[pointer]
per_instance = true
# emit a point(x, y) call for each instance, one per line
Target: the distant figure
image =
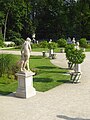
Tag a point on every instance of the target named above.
point(69, 40)
point(25, 55)
point(37, 41)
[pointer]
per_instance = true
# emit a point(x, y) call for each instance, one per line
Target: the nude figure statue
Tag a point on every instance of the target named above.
point(25, 55)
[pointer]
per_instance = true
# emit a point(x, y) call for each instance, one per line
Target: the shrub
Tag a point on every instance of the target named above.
point(43, 44)
point(18, 41)
point(15, 37)
point(34, 45)
point(88, 46)
point(1, 40)
point(6, 64)
point(73, 55)
point(52, 45)
point(83, 42)
point(62, 42)
point(69, 47)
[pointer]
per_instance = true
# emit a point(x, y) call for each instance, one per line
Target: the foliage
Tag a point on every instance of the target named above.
point(47, 76)
point(69, 47)
point(47, 19)
point(7, 62)
point(52, 45)
point(83, 42)
point(62, 42)
point(15, 37)
point(43, 44)
point(74, 56)
point(18, 41)
point(1, 41)
point(34, 45)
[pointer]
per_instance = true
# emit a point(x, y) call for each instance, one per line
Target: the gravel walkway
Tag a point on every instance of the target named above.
point(65, 102)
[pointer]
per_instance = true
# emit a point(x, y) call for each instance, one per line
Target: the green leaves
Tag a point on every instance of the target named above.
point(73, 55)
point(52, 45)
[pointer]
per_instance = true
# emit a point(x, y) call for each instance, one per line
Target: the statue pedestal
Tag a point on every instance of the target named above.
point(25, 85)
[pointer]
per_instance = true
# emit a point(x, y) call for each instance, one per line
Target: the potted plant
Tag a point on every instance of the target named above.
point(68, 50)
point(76, 57)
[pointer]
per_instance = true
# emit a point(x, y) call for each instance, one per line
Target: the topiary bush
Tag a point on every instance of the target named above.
point(43, 44)
point(74, 56)
point(52, 45)
point(68, 49)
point(34, 45)
point(62, 42)
point(83, 42)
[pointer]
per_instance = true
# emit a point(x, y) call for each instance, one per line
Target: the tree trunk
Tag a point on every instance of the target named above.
point(5, 25)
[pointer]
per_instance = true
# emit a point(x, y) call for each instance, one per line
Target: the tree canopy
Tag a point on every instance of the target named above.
point(48, 19)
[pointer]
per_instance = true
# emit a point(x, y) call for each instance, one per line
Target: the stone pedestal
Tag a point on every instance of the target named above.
point(25, 85)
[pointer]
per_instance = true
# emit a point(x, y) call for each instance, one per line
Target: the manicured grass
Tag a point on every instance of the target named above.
point(7, 85)
point(47, 76)
point(87, 50)
point(45, 49)
point(35, 49)
point(57, 50)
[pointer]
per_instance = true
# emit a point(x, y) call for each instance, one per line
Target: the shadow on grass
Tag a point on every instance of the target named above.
point(43, 80)
point(4, 92)
point(46, 67)
point(63, 68)
point(70, 118)
point(64, 81)
point(36, 57)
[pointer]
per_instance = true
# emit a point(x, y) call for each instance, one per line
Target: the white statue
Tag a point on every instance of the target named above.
point(77, 46)
point(25, 55)
point(73, 41)
point(50, 40)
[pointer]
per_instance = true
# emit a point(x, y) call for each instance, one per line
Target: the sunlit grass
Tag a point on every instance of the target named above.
point(47, 76)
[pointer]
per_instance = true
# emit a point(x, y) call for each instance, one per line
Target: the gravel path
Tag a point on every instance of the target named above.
point(65, 102)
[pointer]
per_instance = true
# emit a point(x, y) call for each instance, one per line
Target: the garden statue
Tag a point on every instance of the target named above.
point(25, 55)
point(50, 40)
point(25, 76)
point(73, 41)
point(37, 41)
point(69, 40)
point(77, 46)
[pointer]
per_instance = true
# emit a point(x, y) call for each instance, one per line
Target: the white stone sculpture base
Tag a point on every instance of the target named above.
point(25, 85)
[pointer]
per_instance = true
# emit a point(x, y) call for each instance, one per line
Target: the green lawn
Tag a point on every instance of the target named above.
point(47, 76)
point(34, 49)
point(43, 49)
